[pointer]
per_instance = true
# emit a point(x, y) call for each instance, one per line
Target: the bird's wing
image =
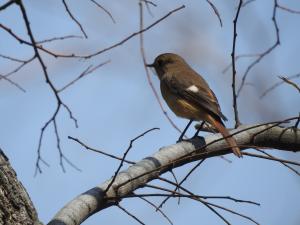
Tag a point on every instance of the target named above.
point(194, 90)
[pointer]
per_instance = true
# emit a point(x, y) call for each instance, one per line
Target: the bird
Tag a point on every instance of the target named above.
point(189, 96)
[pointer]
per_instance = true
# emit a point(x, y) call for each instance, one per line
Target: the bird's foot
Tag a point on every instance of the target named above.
point(182, 139)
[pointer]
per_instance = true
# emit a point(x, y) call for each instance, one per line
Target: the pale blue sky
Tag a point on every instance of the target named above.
point(115, 104)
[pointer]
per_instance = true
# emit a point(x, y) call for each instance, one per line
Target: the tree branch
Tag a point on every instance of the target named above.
point(167, 158)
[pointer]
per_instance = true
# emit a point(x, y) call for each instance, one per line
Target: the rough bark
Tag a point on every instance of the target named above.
point(16, 207)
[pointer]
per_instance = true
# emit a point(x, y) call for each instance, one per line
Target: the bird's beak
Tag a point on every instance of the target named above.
point(150, 65)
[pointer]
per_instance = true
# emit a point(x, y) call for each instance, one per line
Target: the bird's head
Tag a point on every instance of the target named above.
point(166, 62)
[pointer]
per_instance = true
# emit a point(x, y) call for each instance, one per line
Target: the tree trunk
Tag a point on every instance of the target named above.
point(16, 207)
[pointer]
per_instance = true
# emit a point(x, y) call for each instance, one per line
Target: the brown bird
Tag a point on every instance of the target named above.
point(189, 96)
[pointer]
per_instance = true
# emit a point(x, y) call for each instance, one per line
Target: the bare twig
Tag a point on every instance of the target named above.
point(105, 10)
point(237, 57)
point(215, 11)
point(195, 197)
point(283, 163)
point(130, 214)
point(60, 103)
point(247, 2)
point(73, 18)
point(12, 83)
point(7, 4)
point(286, 80)
point(148, 74)
point(277, 84)
point(284, 8)
point(234, 212)
point(58, 39)
point(190, 195)
point(124, 156)
point(90, 69)
point(297, 123)
point(266, 52)
point(234, 95)
point(62, 157)
point(158, 210)
point(56, 55)
point(199, 196)
point(130, 36)
point(12, 58)
point(99, 151)
point(148, 4)
point(271, 158)
point(178, 194)
point(58, 146)
point(20, 66)
point(211, 205)
point(182, 181)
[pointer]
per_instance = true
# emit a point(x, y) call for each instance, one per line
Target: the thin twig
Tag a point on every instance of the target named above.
point(182, 181)
point(266, 52)
point(72, 55)
point(284, 8)
point(58, 39)
point(148, 4)
point(277, 84)
point(178, 195)
point(12, 83)
point(234, 212)
point(237, 57)
point(130, 36)
point(297, 123)
point(99, 151)
point(7, 4)
point(215, 11)
point(284, 164)
point(60, 103)
point(158, 210)
point(73, 18)
point(286, 80)
point(247, 2)
point(90, 69)
point(147, 71)
point(12, 58)
point(234, 95)
point(271, 158)
point(200, 196)
point(62, 157)
point(124, 156)
point(173, 194)
point(105, 10)
point(20, 66)
point(175, 179)
point(209, 205)
point(130, 214)
point(37, 55)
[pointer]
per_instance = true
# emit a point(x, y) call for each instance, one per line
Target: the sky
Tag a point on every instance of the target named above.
point(115, 103)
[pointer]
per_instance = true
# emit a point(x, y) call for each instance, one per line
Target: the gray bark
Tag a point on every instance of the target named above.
point(16, 207)
point(92, 201)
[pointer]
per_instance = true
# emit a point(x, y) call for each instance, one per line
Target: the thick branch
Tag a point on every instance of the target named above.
point(92, 201)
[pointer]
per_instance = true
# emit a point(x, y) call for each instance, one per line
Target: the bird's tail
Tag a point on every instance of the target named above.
point(230, 140)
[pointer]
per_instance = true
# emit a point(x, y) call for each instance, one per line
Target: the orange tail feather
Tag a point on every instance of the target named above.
point(230, 140)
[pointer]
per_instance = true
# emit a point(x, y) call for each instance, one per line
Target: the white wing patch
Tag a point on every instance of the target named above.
point(192, 88)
